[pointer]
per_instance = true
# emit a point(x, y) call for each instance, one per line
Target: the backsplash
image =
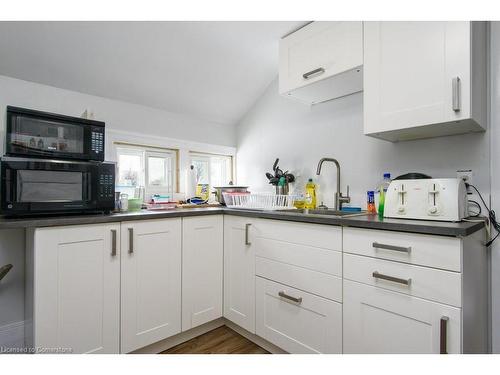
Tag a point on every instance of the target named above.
point(300, 135)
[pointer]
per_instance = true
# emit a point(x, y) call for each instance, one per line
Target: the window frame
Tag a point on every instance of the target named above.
point(208, 156)
point(148, 151)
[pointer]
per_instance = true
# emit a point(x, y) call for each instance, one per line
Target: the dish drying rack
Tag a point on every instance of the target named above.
point(260, 201)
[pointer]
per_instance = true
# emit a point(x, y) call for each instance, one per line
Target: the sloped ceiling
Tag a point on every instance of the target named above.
point(210, 70)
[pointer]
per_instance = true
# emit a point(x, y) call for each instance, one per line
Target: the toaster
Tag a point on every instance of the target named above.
point(442, 199)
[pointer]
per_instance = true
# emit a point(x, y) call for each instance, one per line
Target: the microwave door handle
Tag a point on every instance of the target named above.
point(19, 186)
point(89, 187)
point(9, 185)
point(86, 187)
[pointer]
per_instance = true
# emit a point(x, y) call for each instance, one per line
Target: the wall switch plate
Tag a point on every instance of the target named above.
point(465, 174)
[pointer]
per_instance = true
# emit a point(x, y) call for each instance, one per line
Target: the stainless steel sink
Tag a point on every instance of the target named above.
point(328, 212)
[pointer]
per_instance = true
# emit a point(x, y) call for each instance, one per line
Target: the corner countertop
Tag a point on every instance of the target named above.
point(461, 229)
point(440, 228)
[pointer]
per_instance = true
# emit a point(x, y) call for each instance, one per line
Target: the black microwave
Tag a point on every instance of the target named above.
point(38, 186)
point(47, 135)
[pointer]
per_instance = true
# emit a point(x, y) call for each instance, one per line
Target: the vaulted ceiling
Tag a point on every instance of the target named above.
point(211, 70)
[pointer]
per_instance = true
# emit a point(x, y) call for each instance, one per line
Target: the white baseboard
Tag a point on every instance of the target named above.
point(12, 336)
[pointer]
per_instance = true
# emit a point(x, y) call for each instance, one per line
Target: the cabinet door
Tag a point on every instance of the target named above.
point(239, 272)
point(410, 71)
point(384, 322)
point(296, 321)
point(318, 51)
point(151, 282)
point(202, 270)
point(76, 288)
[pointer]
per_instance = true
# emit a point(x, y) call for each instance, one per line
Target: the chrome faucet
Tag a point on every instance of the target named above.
point(339, 198)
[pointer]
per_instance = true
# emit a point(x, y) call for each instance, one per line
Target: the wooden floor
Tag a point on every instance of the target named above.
point(222, 340)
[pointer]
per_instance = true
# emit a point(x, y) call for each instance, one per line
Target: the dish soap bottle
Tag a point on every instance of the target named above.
point(310, 201)
point(382, 191)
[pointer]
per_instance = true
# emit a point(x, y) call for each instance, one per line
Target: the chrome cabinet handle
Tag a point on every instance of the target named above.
point(113, 242)
point(403, 249)
point(290, 298)
point(398, 280)
point(456, 100)
point(314, 72)
point(130, 240)
point(443, 333)
point(247, 241)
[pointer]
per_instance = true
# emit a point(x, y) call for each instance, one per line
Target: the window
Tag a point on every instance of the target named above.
point(143, 169)
point(215, 170)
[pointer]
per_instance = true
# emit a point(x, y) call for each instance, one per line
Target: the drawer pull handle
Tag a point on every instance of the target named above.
point(247, 241)
point(443, 330)
point(113, 242)
point(293, 299)
point(402, 249)
point(314, 72)
point(398, 280)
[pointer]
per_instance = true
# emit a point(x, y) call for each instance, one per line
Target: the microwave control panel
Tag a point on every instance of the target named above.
point(106, 188)
point(97, 140)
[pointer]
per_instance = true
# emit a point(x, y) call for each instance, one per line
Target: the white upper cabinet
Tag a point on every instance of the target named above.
point(424, 79)
point(322, 61)
point(202, 269)
point(150, 282)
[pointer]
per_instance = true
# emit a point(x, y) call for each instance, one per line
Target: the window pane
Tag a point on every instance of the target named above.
point(158, 171)
point(130, 169)
point(201, 167)
point(217, 172)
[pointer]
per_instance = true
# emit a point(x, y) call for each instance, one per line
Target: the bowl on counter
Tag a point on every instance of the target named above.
point(134, 204)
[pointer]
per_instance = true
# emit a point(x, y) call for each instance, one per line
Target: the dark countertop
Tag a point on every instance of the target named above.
point(461, 229)
point(53, 221)
point(440, 228)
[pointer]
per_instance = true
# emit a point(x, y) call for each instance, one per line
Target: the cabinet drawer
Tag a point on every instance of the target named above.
point(378, 321)
point(429, 283)
point(433, 251)
point(310, 324)
point(313, 235)
point(319, 283)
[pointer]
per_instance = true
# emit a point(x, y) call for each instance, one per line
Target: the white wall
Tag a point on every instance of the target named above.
point(300, 135)
point(12, 287)
point(125, 122)
point(495, 176)
point(118, 115)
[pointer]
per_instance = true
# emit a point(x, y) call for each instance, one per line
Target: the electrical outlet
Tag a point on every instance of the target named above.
point(465, 174)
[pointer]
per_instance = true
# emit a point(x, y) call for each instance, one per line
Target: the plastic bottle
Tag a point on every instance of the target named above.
point(382, 190)
point(370, 203)
point(310, 201)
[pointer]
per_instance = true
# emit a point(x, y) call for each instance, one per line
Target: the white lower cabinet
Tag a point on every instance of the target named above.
point(202, 270)
point(296, 321)
point(306, 288)
point(73, 289)
point(150, 282)
point(239, 271)
point(382, 321)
